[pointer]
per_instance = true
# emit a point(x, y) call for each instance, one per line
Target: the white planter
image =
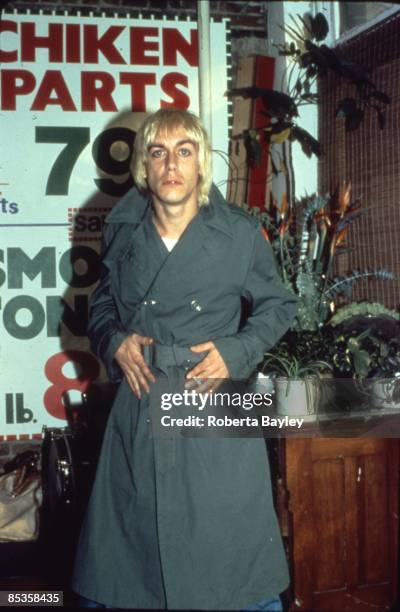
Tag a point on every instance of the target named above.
point(262, 383)
point(297, 397)
point(382, 394)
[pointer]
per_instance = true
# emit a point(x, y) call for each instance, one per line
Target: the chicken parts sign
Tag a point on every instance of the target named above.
point(97, 47)
point(73, 92)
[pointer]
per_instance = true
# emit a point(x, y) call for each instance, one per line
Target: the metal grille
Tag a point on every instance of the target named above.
point(369, 158)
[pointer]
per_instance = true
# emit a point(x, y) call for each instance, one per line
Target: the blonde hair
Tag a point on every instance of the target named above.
point(169, 120)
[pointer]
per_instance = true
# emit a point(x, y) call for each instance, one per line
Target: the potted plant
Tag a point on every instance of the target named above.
point(297, 377)
point(311, 59)
point(385, 392)
point(368, 347)
point(308, 235)
point(306, 239)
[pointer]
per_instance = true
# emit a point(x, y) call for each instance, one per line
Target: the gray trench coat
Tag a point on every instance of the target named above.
point(182, 523)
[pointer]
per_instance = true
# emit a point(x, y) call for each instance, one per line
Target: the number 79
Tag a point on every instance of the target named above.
point(76, 139)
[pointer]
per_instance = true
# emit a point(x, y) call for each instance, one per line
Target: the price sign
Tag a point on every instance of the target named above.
point(73, 92)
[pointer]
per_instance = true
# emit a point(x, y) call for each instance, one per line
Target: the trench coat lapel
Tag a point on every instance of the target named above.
point(153, 264)
point(198, 243)
point(145, 259)
point(191, 245)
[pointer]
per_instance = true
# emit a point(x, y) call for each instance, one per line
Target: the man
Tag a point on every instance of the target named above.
point(181, 523)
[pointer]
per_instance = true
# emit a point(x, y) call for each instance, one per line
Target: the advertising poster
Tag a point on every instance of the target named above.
point(73, 91)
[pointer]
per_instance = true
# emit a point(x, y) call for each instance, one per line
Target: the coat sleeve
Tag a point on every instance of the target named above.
point(273, 308)
point(105, 330)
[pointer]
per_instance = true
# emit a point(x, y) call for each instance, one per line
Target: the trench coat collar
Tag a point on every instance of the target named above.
point(132, 208)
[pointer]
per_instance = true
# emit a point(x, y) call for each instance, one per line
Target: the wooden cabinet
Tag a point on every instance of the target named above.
point(341, 522)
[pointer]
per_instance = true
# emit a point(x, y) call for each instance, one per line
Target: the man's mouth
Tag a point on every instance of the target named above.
point(172, 182)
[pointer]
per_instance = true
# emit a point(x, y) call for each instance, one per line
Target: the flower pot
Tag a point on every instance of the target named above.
point(262, 383)
point(382, 393)
point(297, 397)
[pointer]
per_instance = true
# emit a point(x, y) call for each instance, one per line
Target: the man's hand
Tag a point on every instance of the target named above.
point(130, 359)
point(211, 367)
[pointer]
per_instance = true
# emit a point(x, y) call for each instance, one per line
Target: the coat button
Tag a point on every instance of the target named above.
point(194, 304)
point(187, 364)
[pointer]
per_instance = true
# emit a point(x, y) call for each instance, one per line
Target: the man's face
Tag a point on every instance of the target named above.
point(172, 167)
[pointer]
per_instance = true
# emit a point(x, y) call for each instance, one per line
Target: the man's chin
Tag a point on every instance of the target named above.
point(173, 198)
point(176, 201)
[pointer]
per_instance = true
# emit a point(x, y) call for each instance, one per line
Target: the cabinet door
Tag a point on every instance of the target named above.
point(343, 497)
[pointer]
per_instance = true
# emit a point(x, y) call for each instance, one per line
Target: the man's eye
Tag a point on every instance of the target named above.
point(184, 152)
point(157, 153)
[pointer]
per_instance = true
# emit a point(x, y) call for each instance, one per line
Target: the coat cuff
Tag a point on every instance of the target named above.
point(235, 355)
point(114, 372)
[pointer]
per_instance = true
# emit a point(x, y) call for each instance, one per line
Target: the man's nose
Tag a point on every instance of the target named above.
point(171, 160)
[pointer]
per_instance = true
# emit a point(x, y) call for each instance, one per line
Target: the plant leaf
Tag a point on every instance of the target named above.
point(307, 142)
point(245, 92)
point(361, 309)
point(344, 284)
point(306, 60)
point(362, 362)
point(253, 148)
point(347, 106)
point(311, 97)
point(320, 27)
point(306, 20)
point(353, 120)
point(354, 72)
point(276, 102)
point(332, 58)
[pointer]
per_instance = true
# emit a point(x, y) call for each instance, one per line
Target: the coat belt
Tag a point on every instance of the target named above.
point(162, 356)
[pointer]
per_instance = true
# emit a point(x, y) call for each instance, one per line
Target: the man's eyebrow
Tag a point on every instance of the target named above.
point(161, 145)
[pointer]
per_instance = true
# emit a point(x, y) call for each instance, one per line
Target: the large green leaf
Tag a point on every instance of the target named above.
point(307, 142)
point(320, 27)
point(353, 120)
point(347, 106)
